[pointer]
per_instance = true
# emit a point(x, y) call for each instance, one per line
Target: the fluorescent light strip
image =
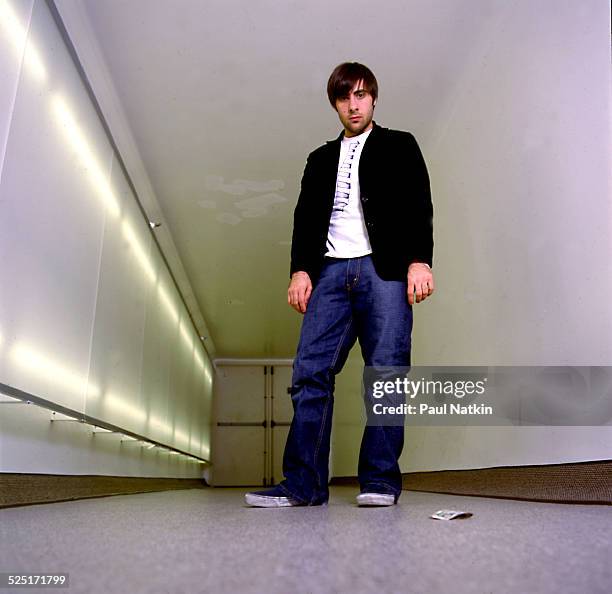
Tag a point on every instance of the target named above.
point(208, 374)
point(199, 360)
point(200, 363)
point(24, 355)
point(77, 140)
point(165, 298)
point(186, 335)
point(17, 36)
point(139, 252)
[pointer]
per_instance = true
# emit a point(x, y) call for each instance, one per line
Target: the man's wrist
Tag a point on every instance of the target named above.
point(423, 263)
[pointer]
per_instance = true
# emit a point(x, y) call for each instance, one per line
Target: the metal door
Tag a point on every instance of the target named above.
point(240, 431)
point(253, 412)
point(280, 418)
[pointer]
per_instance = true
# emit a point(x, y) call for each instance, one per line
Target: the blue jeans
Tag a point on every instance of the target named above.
point(349, 302)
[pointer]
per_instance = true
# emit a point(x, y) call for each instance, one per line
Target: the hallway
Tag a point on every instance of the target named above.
point(162, 211)
point(209, 541)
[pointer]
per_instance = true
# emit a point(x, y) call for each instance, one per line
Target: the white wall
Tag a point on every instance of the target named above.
point(89, 317)
point(519, 160)
point(520, 167)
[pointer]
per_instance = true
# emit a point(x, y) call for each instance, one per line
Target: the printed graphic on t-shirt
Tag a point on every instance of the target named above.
point(347, 236)
point(343, 181)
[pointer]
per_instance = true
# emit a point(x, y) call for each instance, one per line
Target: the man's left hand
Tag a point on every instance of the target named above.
point(420, 282)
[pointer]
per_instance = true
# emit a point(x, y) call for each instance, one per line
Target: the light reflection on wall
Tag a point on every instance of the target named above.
point(79, 143)
point(39, 364)
point(124, 407)
point(160, 424)
point(27, 356)
point(181, 436)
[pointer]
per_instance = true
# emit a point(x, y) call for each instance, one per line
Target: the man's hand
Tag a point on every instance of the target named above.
point(299, 291)
point(420, 281)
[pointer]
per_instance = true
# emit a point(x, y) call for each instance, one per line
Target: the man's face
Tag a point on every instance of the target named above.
point(356, 110)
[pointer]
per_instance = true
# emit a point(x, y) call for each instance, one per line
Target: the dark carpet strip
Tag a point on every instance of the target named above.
point(582, 482)
point(27, 489)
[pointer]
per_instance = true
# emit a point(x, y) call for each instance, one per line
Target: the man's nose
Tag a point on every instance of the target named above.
point(352, 103)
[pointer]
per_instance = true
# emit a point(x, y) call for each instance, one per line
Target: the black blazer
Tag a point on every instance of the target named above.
point(395, 197)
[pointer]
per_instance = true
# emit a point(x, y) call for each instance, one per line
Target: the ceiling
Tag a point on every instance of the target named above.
point(225, 99)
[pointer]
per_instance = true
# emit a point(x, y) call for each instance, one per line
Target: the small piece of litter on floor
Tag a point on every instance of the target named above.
point(450, 514)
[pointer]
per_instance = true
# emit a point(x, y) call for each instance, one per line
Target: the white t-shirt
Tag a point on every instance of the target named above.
point(347, 236)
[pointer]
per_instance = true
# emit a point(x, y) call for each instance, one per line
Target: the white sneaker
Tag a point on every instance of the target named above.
point(270, 498)
point(375, 499)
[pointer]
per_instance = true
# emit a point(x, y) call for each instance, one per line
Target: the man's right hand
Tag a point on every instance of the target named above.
point(298, 293)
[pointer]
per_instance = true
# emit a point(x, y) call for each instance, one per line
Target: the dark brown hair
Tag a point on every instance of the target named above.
point(345, 76)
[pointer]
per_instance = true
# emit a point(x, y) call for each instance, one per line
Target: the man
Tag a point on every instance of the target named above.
point(360, 257)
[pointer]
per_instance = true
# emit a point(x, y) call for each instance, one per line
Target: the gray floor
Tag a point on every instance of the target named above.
point(208, 541)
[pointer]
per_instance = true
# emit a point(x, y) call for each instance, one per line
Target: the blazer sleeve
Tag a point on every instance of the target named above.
point(422, 229)
point(301, 258)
